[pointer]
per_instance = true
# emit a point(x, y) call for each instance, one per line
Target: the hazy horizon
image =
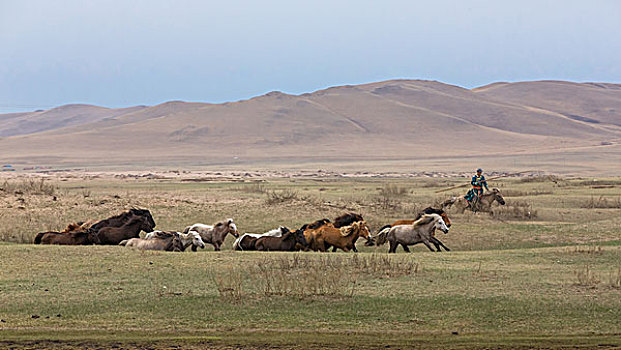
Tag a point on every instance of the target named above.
point(118, 54)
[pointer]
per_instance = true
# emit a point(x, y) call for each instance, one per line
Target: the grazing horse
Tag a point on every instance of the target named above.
point(131, 229)
point(191, 238)
point(343, 238)
point(75, 237)
point(214, 234)
point(420, 231)
point(124, 217)
point(286, 242)
point(483, 204)
point(247, 240)
point(434, 240)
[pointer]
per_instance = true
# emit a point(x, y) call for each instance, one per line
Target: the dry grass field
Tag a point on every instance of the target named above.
point(543, 271)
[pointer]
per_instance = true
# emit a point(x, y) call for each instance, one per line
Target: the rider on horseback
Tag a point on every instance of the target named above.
point(477, 182)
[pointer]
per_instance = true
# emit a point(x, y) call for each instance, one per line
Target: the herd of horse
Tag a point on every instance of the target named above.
point(321, 235)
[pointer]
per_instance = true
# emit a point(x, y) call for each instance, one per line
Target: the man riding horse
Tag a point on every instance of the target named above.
point(477, 182)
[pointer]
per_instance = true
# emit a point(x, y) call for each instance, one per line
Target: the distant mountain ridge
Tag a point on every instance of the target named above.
point(396, 119)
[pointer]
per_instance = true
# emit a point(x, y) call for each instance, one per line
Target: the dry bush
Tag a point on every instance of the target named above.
point(513, 212)
point(586, 277)
point(541, 178)
point(518, 193)
point(29, 186)
point(393, 190)
point(602, 203)
point(282, 196)
point(589, 249)
point(614, 279)
point(255, 187)
point(229, 284)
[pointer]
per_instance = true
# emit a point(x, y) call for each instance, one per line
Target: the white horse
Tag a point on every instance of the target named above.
point(247, 240)
point(191, 238)
point(214, 234)
point(421, 231)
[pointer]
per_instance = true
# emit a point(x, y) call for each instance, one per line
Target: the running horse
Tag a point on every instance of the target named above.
point(429, 210)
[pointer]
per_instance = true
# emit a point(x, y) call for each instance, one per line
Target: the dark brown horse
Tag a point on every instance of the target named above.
point(286, 242)
point(123, 218)
point(131, 229)
point(75, 237)
point(429, 210)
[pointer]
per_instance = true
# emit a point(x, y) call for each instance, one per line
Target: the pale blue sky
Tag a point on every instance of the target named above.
point(122, 53)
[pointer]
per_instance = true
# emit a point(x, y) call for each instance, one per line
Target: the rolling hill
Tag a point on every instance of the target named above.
point(397, 124)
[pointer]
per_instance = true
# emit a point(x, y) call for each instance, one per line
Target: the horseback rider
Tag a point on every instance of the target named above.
point(477, 182)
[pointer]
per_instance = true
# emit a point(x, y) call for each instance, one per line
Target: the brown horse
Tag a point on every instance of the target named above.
point(343, 238)
point(131, 229)
point(433, 239)
point(75, 237)
point(248, 241)
point(285, 243)
point(484, 203)
point(214, 234)
point(123, 218)
point(75, 234)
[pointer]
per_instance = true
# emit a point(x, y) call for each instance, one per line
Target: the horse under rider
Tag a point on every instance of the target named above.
point(477, 182)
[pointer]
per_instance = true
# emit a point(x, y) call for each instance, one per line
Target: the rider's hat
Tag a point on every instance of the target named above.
point(479, 170)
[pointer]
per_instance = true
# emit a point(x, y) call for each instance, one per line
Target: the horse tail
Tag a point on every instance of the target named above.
point(382, 235)
point(237, 243)
point(38, 237)
point(124, 242)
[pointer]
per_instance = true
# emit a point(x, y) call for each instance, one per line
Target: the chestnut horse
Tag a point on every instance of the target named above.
point(343, 238)
point(433, 239)
point(286, 242)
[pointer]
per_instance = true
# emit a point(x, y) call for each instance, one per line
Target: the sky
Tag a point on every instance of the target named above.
point(125, 53)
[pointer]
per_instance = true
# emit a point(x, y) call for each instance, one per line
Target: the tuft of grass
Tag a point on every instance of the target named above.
point(389, 190)
point(585, 277)
point(29, 186)
point(602, 203)
point(282, 196)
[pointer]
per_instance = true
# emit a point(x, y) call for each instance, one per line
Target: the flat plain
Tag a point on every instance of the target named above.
point(544, 271)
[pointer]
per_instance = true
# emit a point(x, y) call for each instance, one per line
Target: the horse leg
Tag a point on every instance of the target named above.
point(405, 248)
point(393, 247)
point(426, 243)
point(216, 246)
point(439, 244)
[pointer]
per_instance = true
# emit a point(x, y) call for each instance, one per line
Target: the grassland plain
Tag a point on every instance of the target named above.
point(543, 272)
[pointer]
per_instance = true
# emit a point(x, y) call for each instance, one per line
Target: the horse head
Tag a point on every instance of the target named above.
point(197, 241)
point(144, 213)
point(146, 223)
point(232, 228)
point(497, 196)
point(441, 225)
point(363, 229)
point(441, 212)
point(299, 237)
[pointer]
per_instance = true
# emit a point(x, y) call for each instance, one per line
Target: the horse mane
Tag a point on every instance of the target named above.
point(425, 219)
point(317, 224)
point(121, 217)
point(277, 232)
point(347, 219)
point(429, 210)
point(347, 230)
